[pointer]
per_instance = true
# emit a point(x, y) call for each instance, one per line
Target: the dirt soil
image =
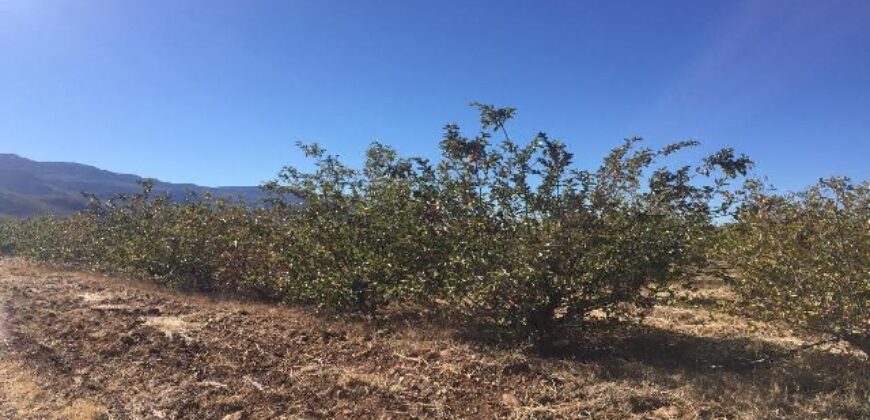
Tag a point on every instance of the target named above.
point(80, 345)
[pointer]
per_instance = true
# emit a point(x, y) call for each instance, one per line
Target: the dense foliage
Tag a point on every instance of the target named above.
point(180, 244)
point(498, 232)
point(805, 257)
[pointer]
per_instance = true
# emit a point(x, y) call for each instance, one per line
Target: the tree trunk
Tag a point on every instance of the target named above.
point(543, 323)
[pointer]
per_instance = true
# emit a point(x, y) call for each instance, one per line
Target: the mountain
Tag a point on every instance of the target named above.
point(29, 188)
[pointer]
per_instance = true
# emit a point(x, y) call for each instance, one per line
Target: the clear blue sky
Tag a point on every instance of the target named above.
point(216, 92)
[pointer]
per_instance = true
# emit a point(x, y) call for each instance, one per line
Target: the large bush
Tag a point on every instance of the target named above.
point(805, 257)
point(498, 232)
point(504, 233)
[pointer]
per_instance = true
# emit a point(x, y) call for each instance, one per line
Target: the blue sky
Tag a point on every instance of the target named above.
point(217, 92)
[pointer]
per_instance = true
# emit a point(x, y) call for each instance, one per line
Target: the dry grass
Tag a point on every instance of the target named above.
point(19, 391)
point(171, 325)
point(21, 396)
point(83, 410)
point(248, 360)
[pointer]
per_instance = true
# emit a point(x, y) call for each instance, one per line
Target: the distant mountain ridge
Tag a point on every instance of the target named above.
point(29, 188)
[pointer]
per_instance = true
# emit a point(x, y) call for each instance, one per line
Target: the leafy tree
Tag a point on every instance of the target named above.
point(805, 257)
point(504, 233)
point(534, 244)
point(500, 232)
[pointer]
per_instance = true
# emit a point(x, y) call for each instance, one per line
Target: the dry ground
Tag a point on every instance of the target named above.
point(78, 345)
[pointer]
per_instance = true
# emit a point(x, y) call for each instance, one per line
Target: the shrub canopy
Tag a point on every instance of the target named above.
point(805, 257)
point(499, 232)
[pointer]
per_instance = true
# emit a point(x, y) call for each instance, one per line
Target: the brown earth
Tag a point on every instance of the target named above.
point(78, 345)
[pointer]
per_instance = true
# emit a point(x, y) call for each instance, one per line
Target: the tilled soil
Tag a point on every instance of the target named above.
point(79, 345)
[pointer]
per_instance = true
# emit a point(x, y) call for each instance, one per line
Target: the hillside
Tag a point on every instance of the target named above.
point(29, 188)
point(126, 349)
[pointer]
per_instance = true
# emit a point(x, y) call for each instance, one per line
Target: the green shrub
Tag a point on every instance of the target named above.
point(495, 232)
point(7, 241)
point(362, 238)
point(805, 257)
point(505, 234)
point(544, 245)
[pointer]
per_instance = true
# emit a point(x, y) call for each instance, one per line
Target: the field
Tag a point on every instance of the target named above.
point(80, 345)
point(464, 210)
